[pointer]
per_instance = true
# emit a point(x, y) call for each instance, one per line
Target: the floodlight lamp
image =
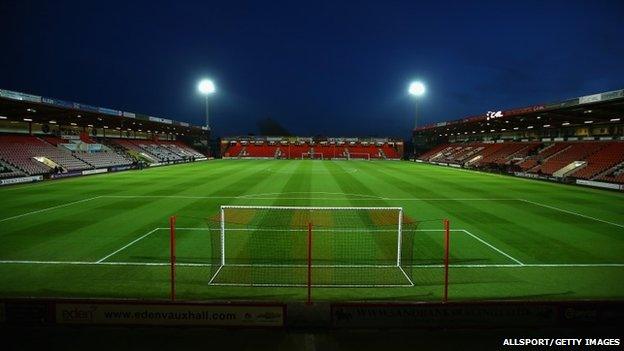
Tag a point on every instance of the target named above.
point(416, 88)
point(206, 86)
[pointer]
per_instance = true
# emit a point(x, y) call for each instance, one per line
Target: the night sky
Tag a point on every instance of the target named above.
point(333, 68)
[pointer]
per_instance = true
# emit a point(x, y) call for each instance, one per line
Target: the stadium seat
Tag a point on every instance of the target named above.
point(608, 157)
point(20, 152)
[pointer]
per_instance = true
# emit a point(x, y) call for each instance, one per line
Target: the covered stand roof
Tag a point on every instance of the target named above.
point(15, 106)
point(603, 108)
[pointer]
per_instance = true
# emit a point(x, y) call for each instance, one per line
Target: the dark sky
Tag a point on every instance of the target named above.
point(318, 67)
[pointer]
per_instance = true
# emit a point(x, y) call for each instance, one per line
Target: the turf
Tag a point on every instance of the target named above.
point(512, 238)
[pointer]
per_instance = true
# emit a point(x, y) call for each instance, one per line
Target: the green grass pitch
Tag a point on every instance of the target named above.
point(105, 236)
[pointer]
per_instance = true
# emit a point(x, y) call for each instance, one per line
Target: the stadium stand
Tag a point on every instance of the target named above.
point(20, 152)
point(161, 152)
point(614, 176)
point(7, 171)
point(180, 149)
point(54, 140)
point(600, 160)
point(390, 151)
point(505, 152)
point(261, 150)
point(575, 152)
point(233, 150)
point(610, 156)
point(542, 155)
point(129, 145)
point(300, 149)
point(297, 151)
point(157, 150)
point(103, 159)
point(22, 155)
point(429, 155)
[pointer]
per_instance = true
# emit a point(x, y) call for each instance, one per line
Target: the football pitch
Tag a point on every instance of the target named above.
point(107, 236)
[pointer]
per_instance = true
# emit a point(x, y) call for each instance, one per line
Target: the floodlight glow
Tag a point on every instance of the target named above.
point(416, 88)
point(206, 86)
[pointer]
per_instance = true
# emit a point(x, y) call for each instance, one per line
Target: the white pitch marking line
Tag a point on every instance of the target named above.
point(244, 197)
point(93, 263)
point(127, 245)
point(315, 285)
point(305, 230)
point(493, 247)
point(49, 208)
point(405, 274)
point(572, 212)
point(215, 275)
point(313, 266)
point(526, 265)
point(313, 192)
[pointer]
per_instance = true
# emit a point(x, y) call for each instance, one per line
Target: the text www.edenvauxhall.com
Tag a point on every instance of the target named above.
point(189, 315)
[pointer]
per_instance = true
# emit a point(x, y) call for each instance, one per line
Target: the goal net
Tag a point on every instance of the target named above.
point(311, 246)
point(311, 156)
point(359, 156)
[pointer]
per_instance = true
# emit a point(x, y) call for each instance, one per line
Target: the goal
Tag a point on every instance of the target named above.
point(359, 156)
point(286, 246)
point(312, 156)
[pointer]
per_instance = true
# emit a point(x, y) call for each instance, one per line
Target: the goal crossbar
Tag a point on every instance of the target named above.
point(332, 208)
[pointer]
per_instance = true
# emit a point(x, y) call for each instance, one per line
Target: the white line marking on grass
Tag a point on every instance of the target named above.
point(112, 263)
point(287, 285)
point(493, 247)
point(526, 265)
point(271, 265)
point(93, 263)
point(127, 245)
point(305, 198)
point(49, 208)
point(302, 229)
point(215, 275)
point(312, 192)
point(406, 277)
point(572, 212)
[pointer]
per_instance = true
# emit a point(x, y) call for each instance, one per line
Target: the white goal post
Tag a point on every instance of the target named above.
point(296, 246)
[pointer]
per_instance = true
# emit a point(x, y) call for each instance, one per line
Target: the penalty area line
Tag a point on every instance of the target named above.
point(49, 208)
point(571, 212)
point(493, 247)
point(127, 245)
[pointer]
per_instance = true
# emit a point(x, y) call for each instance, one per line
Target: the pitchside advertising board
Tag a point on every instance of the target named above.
point(141, 313)
point(478, 314)
point(20, 180)
point(166, 314)
point(440, 315)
